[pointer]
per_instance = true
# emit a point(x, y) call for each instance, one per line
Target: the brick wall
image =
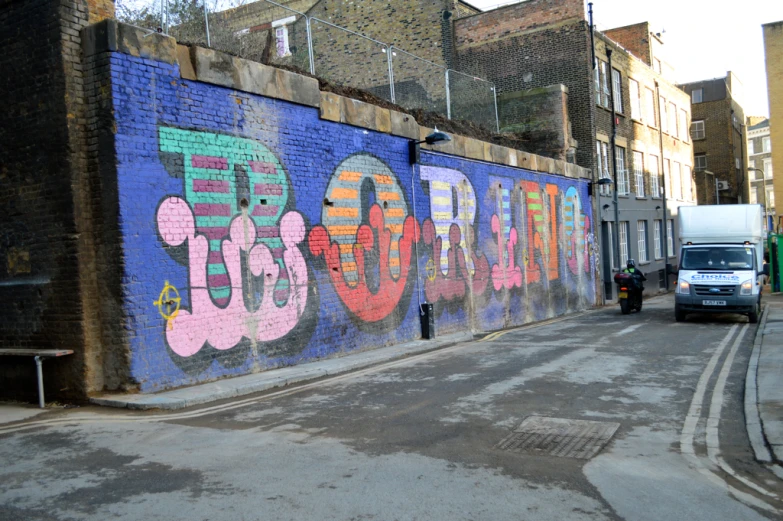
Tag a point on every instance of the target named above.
point(541, 115)
point(515, 18)
point(635, 39)
point(724, 144)
point(773, 49)
point(558, 54)
point(256, 233)
point(47, 286)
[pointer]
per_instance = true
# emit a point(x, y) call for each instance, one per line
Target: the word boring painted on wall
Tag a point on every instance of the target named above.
point(249, 247)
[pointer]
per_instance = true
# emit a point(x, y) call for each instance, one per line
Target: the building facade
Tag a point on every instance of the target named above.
point(719, 140)
point(761, 189)
point(532, 44)
point(652, 155)
point(773, 49)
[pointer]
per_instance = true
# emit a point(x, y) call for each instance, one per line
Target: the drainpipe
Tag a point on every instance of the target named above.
point(614, 162)
point(663, 186)
point(592, 30)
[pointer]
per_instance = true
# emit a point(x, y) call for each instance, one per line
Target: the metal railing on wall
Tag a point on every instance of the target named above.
point(271, 33)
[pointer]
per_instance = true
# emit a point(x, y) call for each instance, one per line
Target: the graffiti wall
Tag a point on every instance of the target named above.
point(257, 235)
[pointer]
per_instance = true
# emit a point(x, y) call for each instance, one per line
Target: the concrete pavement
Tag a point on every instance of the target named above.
point(765, 384)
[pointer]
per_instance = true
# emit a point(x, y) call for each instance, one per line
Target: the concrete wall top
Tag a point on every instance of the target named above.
point(217, 68)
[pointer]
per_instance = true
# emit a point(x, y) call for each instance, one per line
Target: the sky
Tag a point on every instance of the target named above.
point(703, 38)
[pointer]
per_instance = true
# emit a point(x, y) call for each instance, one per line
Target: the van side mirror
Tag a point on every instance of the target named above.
point(672, 270)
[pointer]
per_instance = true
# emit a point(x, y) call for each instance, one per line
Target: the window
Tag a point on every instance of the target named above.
point(623, 182)
point(604, 86)
point(697, 129)
point(636, 101)
point(670, 237)
point(649, 108)
point(765, 146)
point(753, 195)
point(767, 168)
point(750, 146)
point(617, 90)
point(673, 120)
point(657, 239)
point(597, 82)
point(281, 36)
point(657, 65)
point(638, 171)
point(655, 176)
point(667, 173)
point(683, 128)
point(610, 244)
point(770, 198)
point(641, 240)
point(696, 95)
point(623, 243)
point(602, 157)
point(664, 117)
point(676, 189)
point(687, 179)
point(700, 162)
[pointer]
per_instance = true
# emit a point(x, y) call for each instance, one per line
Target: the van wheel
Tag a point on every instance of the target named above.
point(753, 316)
point(679, 315)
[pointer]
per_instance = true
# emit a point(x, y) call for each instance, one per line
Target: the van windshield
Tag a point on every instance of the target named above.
point(717, 258)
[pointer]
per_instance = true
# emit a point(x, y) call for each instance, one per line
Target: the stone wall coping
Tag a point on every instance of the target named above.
point(218, 68)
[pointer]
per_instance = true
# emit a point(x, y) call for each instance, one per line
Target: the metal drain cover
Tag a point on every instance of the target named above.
point(560, 437)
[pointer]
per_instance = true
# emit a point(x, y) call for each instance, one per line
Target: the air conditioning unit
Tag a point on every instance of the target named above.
point(722, 185)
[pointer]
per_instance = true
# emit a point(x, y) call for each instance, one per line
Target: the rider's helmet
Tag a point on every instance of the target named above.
point(631, 264)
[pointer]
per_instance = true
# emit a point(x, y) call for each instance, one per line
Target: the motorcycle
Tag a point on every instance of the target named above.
point(629, 292)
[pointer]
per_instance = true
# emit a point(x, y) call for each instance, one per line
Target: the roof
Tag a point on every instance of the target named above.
point(762, 124)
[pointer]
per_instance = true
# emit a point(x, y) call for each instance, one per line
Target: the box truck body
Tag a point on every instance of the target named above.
point(721, 260)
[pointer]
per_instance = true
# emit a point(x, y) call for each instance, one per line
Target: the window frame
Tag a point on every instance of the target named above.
point(638, 171)
point(649, 107)
point(664, 114)
point(684, 130)
point(673, 120)
point(670, 237)
point(655, 187)
point(657, 239)
point(641, 240)
point(623, 179)
point(636, 99)
point(622, 236)
point(604, 86)
point(617, 90)
point(694, 130)
point(676, 179)
point(700, 96)
point(697, 159)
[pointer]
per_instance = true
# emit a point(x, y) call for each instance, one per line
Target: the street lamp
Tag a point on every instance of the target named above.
point(435, 137)
point(764, 188)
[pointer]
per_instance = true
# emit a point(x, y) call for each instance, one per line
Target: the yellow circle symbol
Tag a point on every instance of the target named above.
point(430, 269)
point(168, 301)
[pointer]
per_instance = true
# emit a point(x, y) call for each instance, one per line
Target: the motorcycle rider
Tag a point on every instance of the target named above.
point(638, 276)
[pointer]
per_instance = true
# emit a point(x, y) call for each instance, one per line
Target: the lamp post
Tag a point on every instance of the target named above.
point(426, 310)
point(764, 188)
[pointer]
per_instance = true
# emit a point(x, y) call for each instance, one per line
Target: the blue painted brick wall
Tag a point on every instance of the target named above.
point(256, 235)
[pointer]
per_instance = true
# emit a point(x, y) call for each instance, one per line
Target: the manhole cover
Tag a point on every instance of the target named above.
point(560, 437)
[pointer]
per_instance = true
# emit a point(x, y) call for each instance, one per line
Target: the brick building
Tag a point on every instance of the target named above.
point(773, 49)
point(719, 140)
point(532, 44)
point(760, 171)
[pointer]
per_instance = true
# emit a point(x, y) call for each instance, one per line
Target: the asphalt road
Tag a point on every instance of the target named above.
point(432, 437)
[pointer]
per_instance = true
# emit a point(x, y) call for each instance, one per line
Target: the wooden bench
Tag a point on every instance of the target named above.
point(39, 355)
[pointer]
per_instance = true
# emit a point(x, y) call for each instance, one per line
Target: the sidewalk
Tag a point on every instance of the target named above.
point(764, 383)
point(254, 383)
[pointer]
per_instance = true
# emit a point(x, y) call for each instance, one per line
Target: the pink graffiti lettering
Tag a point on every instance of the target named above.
point(224, 327)
point(505, 276)
point(454, 283)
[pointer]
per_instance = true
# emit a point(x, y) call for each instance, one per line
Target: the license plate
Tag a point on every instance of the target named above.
point(714, 302)
point(623, 294)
